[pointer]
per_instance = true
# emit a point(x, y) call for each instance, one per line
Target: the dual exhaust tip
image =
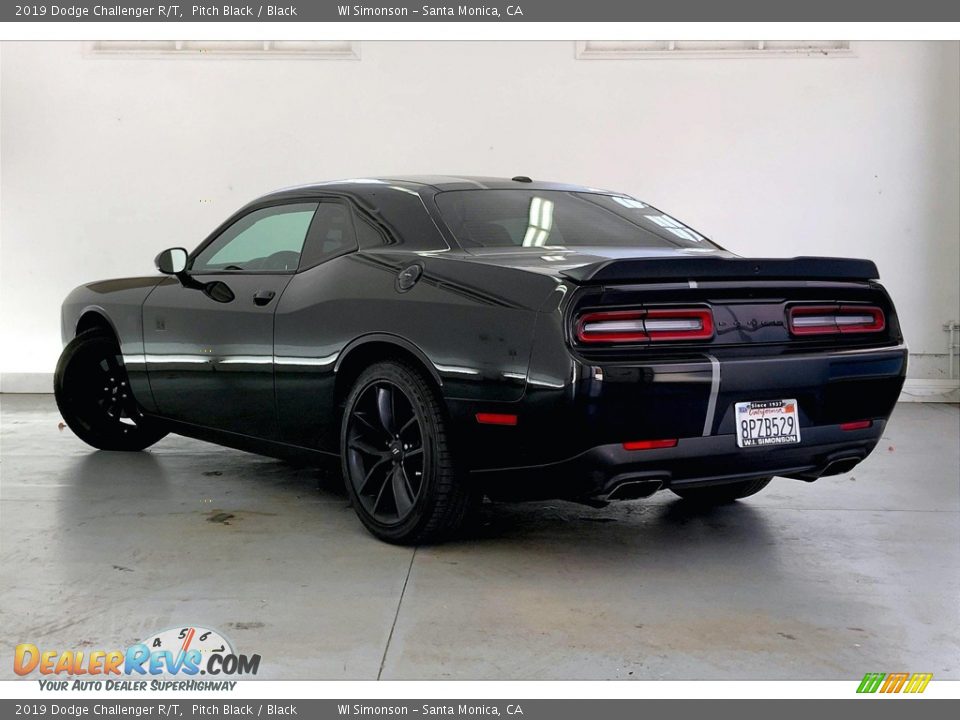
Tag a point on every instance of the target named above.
point(639, 488)
point(634, 489)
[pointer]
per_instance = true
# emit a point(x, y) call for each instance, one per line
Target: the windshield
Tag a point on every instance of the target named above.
point(560, 219)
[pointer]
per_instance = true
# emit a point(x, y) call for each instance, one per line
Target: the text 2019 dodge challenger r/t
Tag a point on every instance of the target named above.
point(448, 337)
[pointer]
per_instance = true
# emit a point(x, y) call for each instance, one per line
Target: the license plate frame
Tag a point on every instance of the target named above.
point(767, 423)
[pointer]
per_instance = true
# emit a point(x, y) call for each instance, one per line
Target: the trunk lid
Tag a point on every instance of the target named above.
point(750, 299)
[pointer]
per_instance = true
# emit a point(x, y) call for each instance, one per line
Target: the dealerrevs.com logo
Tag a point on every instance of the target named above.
point(176, 652)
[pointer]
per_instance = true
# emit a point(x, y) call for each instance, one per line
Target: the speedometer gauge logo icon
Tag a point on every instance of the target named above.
point(181, 640)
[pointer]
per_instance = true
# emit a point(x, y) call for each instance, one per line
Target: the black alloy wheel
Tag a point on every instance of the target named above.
point(385, 452)
point(397, 460)
point(93, 395)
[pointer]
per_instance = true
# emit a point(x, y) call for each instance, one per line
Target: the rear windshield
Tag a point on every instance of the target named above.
point(559, 219)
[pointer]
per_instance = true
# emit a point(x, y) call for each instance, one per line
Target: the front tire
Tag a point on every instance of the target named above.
point(93, 394)
point(722, 494)
point(398, 463)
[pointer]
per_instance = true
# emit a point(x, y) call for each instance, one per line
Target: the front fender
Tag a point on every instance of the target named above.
point(120, 305)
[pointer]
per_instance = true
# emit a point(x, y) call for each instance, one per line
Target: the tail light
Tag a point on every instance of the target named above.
point(835, 319)
point(636, 326)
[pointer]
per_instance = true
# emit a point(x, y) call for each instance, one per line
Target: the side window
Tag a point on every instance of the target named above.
point(331, 234)
point(369, 236)
point(270, 239)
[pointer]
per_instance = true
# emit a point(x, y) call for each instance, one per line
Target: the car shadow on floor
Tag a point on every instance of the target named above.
point(656, 524)
point(653, 524)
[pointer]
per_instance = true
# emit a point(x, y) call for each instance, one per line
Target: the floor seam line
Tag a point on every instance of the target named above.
point(878, 510)
point(403, 591)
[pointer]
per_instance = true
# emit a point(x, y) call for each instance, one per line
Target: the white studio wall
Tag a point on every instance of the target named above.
point(106, 159)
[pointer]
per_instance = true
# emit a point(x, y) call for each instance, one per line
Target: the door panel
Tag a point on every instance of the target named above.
point(208, 334)
point(309, 331)
point(211, 363)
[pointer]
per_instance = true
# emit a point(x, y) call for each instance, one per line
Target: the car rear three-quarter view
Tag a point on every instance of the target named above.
point(448, 338)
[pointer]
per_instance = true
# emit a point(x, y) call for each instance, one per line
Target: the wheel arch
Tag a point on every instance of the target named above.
point(377, 347)
point(94, 318)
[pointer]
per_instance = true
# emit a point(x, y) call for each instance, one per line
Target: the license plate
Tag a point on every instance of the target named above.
point(767, 422)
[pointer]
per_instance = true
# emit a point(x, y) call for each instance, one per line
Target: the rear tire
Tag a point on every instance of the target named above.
point(93, 394)
point(722, 494)
point(398, 462)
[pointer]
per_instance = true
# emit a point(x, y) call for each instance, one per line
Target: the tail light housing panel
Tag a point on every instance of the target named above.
point(642, 326)
point(835, 319)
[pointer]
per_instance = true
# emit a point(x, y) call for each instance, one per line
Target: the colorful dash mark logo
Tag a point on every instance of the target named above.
point(894, 682)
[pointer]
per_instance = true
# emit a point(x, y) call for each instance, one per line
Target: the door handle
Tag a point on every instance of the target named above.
point(263, 297)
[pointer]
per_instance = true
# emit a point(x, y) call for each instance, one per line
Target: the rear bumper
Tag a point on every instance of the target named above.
point(572, 423)
point(611, 472)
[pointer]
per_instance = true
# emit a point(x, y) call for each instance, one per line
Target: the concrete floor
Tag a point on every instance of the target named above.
point(854, 573)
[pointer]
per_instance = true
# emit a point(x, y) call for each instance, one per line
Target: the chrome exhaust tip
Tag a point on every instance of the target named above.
point(635, 489)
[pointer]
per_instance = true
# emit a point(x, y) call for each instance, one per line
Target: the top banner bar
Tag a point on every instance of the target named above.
point(72, 11)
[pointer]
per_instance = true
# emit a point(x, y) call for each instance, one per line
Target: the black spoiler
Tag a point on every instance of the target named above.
point(724, 268)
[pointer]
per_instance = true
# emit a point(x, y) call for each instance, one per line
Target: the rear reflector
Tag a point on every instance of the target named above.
point(635, 326)
point(858, 425)
point(649, 444)
point(835, 319)
point(496, 419)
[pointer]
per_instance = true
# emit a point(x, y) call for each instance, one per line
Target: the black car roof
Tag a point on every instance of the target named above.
point(463, 182)
point(388, 199)
point(417, 183)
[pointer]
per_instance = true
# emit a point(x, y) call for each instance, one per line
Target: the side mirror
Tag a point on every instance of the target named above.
point(172, 261)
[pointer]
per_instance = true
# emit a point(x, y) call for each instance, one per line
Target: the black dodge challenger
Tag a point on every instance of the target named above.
point(453, 337)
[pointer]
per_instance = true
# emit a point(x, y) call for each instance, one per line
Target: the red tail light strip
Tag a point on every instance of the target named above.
point(649, 444)
point(835, 319)
point(636, 326)
point(496, 419)
point(857, 425)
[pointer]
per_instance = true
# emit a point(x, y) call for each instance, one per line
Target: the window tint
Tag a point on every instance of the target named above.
point(558, 219)
point(368, 235)
point(402, 212)
point(267, 239)
point(331, 234)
